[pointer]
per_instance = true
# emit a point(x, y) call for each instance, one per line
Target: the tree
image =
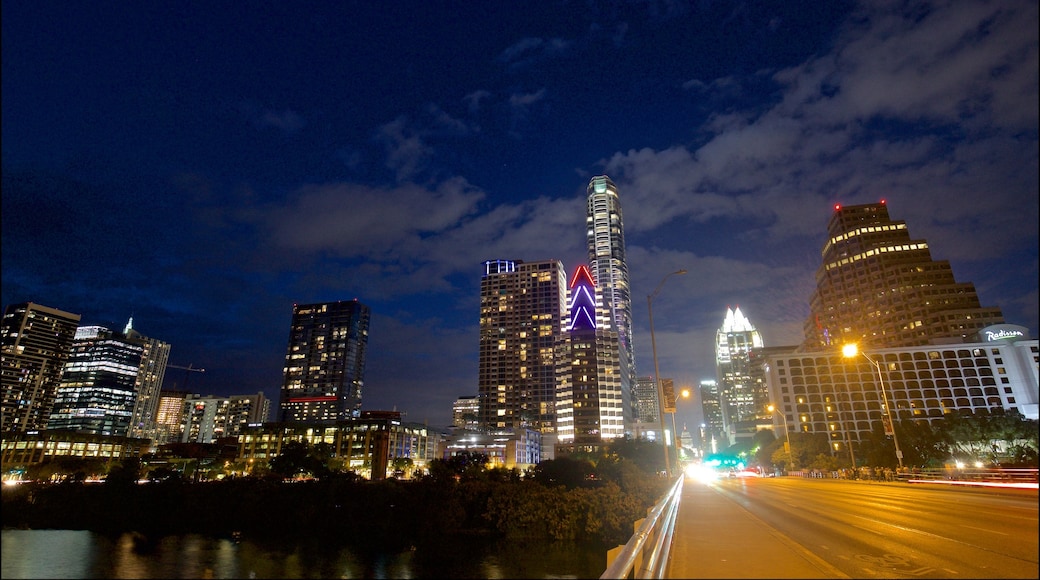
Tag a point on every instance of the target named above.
point(564, 471)
point(297, 459)
point(126, 472)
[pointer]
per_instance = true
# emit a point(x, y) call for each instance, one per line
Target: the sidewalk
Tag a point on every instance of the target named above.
point(717, 538)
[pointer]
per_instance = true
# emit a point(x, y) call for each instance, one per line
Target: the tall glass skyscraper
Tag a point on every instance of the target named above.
point(111, 383)
point(522, 310)
point(605, 235)
point(325, 362)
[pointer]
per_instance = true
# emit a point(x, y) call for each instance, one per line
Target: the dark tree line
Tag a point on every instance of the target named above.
point(588, 498)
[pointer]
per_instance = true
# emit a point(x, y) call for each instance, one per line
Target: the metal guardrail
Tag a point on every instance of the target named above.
point(646, 553)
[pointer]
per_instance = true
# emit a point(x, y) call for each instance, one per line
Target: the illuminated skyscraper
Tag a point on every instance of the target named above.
point(522, 311)
point(35, 345)
point(324, 371)
point(736, 383)
point(111, 383)
point(879, 288)
point(605, 235)
point(590, 401)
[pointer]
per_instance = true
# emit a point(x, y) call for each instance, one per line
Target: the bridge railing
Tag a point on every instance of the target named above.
point(646, 553)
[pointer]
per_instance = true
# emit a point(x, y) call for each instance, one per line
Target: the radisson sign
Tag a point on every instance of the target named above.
point(1003, 332)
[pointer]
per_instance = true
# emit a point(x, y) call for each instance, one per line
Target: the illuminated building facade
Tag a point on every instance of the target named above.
point(367, 444)
point(827, 393)
point(111, 383)
point(35, 342)
point(35, 447)
point(605, 237)
point(169, 420)
point(645, 396)
point(878, 287)
point(590, 398)
point(155, 355)
point(208, 418)
point(522, 311)
point(465, 412)
point(739, 400)
point(324, 372)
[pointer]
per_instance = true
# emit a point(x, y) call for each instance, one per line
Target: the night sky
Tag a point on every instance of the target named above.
point(202, 166)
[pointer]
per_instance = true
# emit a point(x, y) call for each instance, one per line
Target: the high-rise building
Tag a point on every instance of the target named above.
point(645, 395)
point(170, 416)
point(522, 311)
point(210, 417)
point(324, 372)
point(605, 236)
point(734, 341)
point(465, 412)
point(154, 357)
point(880, 288)
point(713, 428)
point(35, 342)
point(590, 401)
point(929, 348)
point(111, 383)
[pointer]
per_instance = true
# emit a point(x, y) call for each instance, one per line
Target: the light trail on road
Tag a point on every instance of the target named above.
point(872, 530)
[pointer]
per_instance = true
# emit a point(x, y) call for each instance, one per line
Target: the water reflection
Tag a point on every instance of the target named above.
point(83, 554)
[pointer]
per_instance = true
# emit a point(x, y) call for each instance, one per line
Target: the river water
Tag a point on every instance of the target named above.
point(84, 554)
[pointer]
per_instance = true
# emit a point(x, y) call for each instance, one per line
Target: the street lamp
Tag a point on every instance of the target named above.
point(850, 351)
point(657, 371)
point(787, 432)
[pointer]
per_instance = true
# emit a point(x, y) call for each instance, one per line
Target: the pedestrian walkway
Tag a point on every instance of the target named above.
point(717, 538)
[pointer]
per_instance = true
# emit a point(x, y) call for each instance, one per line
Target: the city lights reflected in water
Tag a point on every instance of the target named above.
point(84, 554)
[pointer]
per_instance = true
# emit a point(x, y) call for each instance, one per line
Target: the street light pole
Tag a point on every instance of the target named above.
point(657, 370)
point(787, 433)
point(851, 350)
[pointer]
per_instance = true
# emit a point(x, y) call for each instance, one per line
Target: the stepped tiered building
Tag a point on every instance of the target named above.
point(879, 287)
point(927, 348)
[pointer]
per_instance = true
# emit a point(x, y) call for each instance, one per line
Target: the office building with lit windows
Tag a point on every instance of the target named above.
point(324, 372)
point(605, 238)
point(591, 402)
point(645, 396)
point(522, 311)
point(208, 418)
point(35, 341)
point(111, 383)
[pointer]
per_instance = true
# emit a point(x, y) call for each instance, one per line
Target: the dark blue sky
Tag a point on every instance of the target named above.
point(202, 167)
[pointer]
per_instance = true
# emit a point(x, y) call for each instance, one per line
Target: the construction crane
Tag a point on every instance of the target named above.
point(187, 372)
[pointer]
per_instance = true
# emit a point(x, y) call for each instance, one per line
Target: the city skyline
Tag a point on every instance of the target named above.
point(203, 181)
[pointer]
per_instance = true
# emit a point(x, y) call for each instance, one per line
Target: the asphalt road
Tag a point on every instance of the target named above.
point(898, 530)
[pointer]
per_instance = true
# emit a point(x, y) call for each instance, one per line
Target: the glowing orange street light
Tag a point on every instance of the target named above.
point(850, 351)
